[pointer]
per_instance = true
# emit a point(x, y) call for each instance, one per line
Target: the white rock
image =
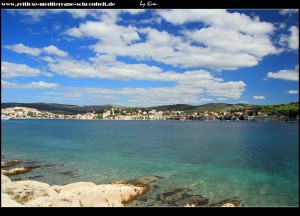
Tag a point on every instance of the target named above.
point(54, 190)
point(87, 194)
point(6, 201)
point(79, 194)
point(5, 179)
point(30, 188)
point(228, 205)
point(16, 171)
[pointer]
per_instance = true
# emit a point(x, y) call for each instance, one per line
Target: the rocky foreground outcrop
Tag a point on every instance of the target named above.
point(80, 194)
point(142, 191)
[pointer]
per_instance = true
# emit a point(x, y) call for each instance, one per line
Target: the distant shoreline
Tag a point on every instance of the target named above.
point(154, 120)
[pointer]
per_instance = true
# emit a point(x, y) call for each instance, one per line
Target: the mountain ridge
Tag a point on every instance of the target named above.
point(80, 109)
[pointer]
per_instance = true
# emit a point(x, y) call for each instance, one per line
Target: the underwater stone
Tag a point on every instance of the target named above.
point(234, 202)
point(172, 197)
point(8, 163)
point(194, 200)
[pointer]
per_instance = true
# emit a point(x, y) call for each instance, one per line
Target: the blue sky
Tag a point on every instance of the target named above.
point(150, 57)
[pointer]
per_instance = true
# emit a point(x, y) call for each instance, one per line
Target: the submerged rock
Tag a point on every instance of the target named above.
point(149, 179)
point(181, 197)
point(8, 163)
point(231, 202)
point(18, 170)
point(70, 173)
point(148, 182)
point(194, 200)
point(172, 197)
point(49, 165)
point(28, 178)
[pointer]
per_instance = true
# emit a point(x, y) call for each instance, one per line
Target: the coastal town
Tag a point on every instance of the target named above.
point(139, 114)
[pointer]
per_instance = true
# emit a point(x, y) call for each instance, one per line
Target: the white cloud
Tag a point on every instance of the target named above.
point(205, 100)
point(11, 70)
point(78, 13)
point(47, 59)
point(292, 75)
point(107, 33)
point(294, 38)
point(20, 48)
point(147, 96)
point(56, 27)
point(290, 41)
point(32, 15)
point(259, 97)
point(247, 40)
point(282, 25)
point(288, 11)
point(32, 85)
point(53, 50)
point(243, 46)
point(227, 36)
point(69, 95)
point(104, 70)
point(283, 40)
point(229, 89)
point(293, 91)
point(168, 49)
point(187, 86)
point(232, 41)
point(133, 11)
point(107, 67)
point(218, 18)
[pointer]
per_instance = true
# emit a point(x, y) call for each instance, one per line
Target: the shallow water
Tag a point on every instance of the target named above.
point(259, 162)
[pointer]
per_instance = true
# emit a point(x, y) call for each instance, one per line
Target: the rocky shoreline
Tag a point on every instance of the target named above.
point(140, 192)
point(80, 194)
point(30, 193)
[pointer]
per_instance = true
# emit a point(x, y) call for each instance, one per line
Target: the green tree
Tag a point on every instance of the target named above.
point(30, 114)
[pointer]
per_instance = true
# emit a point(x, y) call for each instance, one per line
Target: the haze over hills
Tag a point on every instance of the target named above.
point(80, 109)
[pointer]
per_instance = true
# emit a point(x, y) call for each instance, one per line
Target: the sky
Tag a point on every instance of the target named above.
point(135, 57)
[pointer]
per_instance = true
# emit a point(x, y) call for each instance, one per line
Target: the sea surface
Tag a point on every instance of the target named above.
point(258, 162)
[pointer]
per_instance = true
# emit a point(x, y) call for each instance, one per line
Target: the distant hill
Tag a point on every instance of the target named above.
point(289, 109)
point(172, 107)
point(217, 107)
point(59, 108)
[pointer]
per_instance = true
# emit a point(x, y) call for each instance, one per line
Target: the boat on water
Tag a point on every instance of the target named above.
point(4, 117)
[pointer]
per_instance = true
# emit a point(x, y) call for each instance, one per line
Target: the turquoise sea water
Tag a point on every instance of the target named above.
point(259, 162)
